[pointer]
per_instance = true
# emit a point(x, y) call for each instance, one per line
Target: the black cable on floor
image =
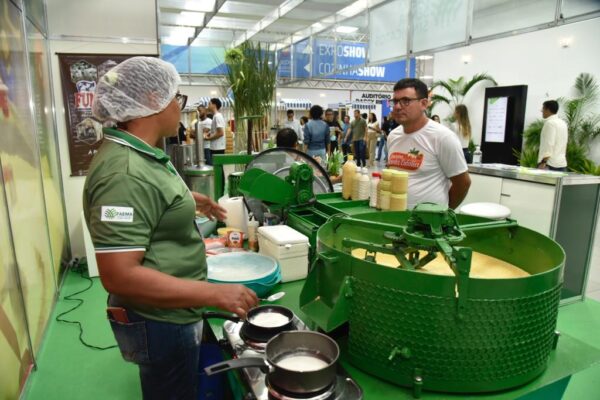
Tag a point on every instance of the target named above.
point(76, 266)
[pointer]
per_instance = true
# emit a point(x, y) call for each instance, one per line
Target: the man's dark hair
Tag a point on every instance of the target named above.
point(216, 102)
point(286, 137)
point(288, 112)
point(364, 115)
point(316, 112)
point(419, 86)
point(304, 118)
point(329, 110)
point(551, 105)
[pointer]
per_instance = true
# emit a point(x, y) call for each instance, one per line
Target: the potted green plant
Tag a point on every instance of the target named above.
point(251, 77)
point(583, 123)
point(455, 90)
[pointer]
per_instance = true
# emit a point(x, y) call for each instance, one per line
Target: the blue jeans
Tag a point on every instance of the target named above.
point(360, 152)
point(318, 152)
point(381, 148)
point(167, 355)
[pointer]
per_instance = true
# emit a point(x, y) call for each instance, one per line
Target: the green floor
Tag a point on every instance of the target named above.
point(68, 370)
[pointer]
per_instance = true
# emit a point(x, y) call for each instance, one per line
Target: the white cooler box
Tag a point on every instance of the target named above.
point(289, 247)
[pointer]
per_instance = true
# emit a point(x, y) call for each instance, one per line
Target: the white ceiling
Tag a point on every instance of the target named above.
point(229, 22)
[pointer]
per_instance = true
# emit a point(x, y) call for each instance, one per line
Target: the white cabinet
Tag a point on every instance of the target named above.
point(531, 204)
point(484, 188)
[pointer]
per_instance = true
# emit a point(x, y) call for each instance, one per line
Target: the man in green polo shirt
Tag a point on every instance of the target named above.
point(358, 129)
point(141, 219)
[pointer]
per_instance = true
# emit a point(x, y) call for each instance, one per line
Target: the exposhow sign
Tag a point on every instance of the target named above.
point(79, 75)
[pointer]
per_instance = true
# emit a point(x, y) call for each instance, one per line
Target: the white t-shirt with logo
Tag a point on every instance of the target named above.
point(217, 122)
point(431, 156)
point(206, 124)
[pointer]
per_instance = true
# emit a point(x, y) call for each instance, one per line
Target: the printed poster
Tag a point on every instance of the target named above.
point(79, 75)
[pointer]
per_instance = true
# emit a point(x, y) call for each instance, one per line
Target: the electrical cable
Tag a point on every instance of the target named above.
point(75, 266)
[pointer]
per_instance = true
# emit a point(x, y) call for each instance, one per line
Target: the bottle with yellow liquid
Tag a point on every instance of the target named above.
point(348, 172)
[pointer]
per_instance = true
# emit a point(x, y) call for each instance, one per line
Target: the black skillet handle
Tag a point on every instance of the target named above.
point(221, 315)
point(243, 362)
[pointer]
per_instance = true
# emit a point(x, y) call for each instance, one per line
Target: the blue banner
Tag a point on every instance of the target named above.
point(205, 60)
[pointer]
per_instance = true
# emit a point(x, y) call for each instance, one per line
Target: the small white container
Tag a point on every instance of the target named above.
point(289, 247)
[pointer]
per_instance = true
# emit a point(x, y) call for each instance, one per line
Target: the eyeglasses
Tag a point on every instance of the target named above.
point(181, 99)
point(404, 101)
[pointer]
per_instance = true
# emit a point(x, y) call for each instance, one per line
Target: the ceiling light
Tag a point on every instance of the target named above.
point(426, 77)
point(190, 18)
point(278, 94)
point(125, 40)
point(322, 94)
point(353, 9)
point(203, 6)
point(175, 40)
point(346, 29)
point(565, 42)
point(424, 57)
point(213, 92)
point(466, 59)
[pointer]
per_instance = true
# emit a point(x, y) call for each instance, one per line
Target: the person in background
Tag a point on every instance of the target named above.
point(287, 138)
point(462, 128)
point(373, 132)
point(293, 123)
point(382, 143)
point(316, 134)
point(436, 118)
point(553, 139)
point(357, 131)
point(140, 215)
point(346, 140)
point(428, 151)
point(205, 127)
point(303, 122)
point(335, 130)
point(217, 129)
point(180, 137)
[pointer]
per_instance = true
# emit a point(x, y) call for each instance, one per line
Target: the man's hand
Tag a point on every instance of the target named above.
point(208, 207)
point(234, 298)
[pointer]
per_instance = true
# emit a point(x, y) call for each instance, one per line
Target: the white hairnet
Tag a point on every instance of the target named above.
point(137, 87)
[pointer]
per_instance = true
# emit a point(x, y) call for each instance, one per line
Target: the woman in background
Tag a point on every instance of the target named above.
point(462, 128)
point(373, 131)
point(316, 134)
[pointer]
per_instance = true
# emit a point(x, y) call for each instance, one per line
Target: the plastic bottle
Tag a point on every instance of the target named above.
point(375, 178)
point(356, 184)
point(349, 170)
point(399, 182)
point(398, 202)
point(364, 185)
point(252, 234)
point(385, 200)
point(477, 155)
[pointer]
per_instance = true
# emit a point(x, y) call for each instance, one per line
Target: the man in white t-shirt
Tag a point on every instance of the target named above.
point(553, 139)
point(217, 130)
point(428, 151)
point(205, 127)
point(294, 124)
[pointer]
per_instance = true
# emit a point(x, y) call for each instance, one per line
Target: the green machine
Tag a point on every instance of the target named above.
point(445, 333)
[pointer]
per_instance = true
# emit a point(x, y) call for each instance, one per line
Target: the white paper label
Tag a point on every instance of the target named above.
point(116, 214)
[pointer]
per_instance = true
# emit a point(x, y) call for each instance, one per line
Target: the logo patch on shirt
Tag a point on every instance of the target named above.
point(410, 161)
point(116, 214)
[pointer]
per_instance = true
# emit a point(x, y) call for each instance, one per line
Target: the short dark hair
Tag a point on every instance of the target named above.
point(286, 137)
point(364, 116)
point(374, 117)
point(419, 86)
point(216, 102)
point(329, 110)
point(304, 118)
point(316, 112)
point(288, 112)
point(551, 105)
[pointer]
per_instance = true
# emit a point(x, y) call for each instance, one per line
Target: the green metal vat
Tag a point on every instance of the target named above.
point(405, 326)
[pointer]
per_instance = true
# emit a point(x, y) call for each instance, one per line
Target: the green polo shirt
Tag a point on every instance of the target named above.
point(134, 200)
point(359, 129)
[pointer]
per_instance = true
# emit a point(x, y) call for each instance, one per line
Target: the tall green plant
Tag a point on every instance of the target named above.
point(583, 125)
point(453, 91)
point(251, 76)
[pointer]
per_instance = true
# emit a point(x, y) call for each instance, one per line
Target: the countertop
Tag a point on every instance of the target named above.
point(572, 355)
point(533, 174)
